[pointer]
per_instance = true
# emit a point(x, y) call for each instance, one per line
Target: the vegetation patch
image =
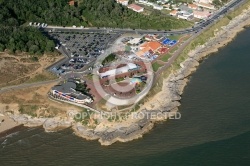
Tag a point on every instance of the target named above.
point(44, 76)
point(109, 58)
point(156, 66)
point(28, 109)
point(165, 57)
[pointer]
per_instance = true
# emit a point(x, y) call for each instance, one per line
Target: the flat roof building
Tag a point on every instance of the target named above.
point(201, 14)
point(123, 2)
point(136, 8)
point(206, 5)
point(67, 90)
point(117, 71)
point(148, 48)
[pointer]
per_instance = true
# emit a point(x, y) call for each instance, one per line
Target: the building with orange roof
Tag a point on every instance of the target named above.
point(173, 12)
point(153, 45)
point(148, 48)
point(136, 8)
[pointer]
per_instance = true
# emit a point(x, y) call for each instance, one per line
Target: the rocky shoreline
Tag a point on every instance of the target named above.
point(165, 102)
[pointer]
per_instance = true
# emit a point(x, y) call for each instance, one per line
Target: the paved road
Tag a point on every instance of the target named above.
point(21, 86)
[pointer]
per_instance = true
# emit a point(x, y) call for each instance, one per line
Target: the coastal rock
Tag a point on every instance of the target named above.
point(173, 91)
point(27, 120)
point(21, 119)
point(85, 132)
point(189, 66)
point(55, 124)
point(125, 134)
point(171, 106)
point(180, 85)
point(34, 122)
point(178, 76)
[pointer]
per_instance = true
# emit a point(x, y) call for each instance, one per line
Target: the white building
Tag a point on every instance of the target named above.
point(134, 41)
point(185, 15)
point(145, 2)
point(157, 7)
point(201, 14)
point(204, 1)
point(205, 5)
point(67, 91)
point(117, 71)
point(123, 2)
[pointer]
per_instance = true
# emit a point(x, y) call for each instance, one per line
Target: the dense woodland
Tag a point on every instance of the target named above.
point(16, 14)
point(107, 13)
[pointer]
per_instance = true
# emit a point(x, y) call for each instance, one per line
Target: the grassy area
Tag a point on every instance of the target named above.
point(79, 117)
point(89, 76)
point(156, 66)
point(127, 48)
point(165, 57)
point(32, 110)
point(41, 77)
point(175, 37)
point(119, 79)
point(109, 58)
point(174, 49)
point(28, 109)
point(165, 11)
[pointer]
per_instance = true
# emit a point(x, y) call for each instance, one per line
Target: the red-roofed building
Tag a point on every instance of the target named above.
point(136, 8)
point(153, 45)
point(173, 12)
point(148, 48)
point(71, 3)
point(163, 50)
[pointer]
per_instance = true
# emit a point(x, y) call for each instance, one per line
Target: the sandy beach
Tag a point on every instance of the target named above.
point(6, 123)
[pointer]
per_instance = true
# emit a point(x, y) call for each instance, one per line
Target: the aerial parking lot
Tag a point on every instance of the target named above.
point(80, 48)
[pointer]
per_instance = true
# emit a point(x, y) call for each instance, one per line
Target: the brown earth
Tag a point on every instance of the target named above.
point(17, 69)
point(34, 102)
